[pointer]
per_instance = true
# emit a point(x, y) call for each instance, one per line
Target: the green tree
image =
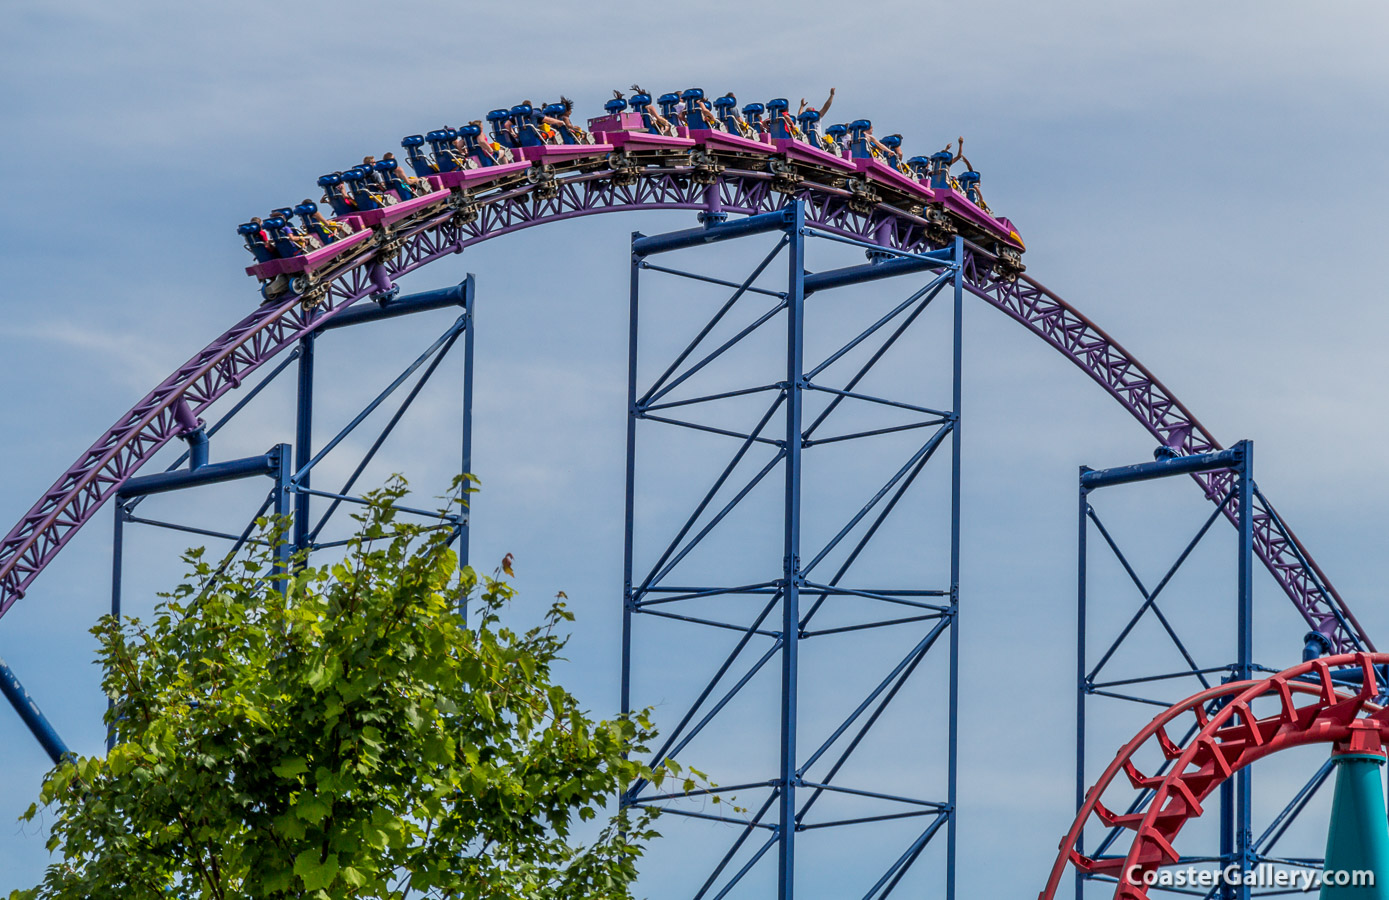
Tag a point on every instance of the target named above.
point(342, 733)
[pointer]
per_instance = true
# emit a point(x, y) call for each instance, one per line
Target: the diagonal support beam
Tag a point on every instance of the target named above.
point(33, 717)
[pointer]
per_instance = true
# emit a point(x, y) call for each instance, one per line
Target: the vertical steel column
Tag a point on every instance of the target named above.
point(791, 562)
point(1227, 829)
point(1082, 539)
point(117, 564)
point(630, 500)
point(1236, 800)
point(284, 475)
point(465, 525)
point(303, 440)
point(955, 446)
point(1244, 475)
point(117, 554)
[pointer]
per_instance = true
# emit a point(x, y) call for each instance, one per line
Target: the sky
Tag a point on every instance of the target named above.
point(1205, 181)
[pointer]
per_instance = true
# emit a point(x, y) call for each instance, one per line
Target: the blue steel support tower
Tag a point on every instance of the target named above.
point(778, 615)
point(1234, 476)
point(290, 466)
point(1233, 487)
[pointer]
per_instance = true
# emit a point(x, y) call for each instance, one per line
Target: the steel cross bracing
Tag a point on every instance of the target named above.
point(275, 328)
point(770, 618)
point(289, 467)
point(1230, 472)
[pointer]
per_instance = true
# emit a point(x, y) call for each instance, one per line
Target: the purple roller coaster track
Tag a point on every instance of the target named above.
point(172, 408)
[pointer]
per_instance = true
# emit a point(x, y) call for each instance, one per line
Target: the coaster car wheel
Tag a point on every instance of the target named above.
point(785, 178)
point(624, 167)
point(275, 288)
point(862, 196)
point(939, 226)
point(464, 207)
point(1010, 261)
point(706, 168)
point(781, 167)
point(543, 177)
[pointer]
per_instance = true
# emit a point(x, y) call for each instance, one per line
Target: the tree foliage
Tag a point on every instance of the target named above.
point(343, 733)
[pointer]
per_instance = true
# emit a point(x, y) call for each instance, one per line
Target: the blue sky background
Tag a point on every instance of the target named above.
point(1206, 181)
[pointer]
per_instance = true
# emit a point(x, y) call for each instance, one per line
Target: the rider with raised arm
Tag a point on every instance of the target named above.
point(968, 182)
point(563, 121)
point(659, 122)
point(823, 110)
point(959, 155)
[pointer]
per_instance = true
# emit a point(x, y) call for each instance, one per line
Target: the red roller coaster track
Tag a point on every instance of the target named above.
point(1230, 737)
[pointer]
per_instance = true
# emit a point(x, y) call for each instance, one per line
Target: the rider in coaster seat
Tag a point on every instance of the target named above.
point(863, 144)
point(654, 121)
point(373, 178)
point(941, 161)
point(373, 182)
point(480, 149)
point(404, 186)
point(808, 120)
point(616, 106)
point(893, 143)
point(969, 181)
point(422, 164)
point(418, 186)
point(282, 237)
point(354, 181)
point(499, 120)
point(336, 195)
point(672, 107)
point(779, 120)
point(557, 116)
point(699, 114)
point(752, 115)
point(960, 184)
point(726, 108)
point(833, 140)
point(529, 125)
point(257, 240)
point(550, 118)
point(442, 143)
point(315, 223)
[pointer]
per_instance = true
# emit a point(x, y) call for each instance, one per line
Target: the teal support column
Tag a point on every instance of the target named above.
point(1358, 840)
